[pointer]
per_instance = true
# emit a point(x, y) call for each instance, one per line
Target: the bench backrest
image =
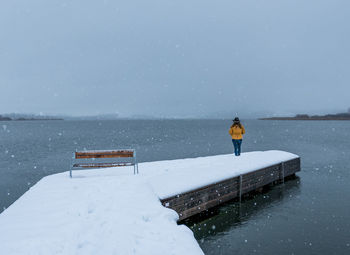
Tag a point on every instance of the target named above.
point(105, 155)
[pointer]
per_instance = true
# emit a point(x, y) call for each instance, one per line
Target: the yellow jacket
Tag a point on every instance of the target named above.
point(236, 132)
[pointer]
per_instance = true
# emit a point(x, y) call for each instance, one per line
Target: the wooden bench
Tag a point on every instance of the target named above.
point(107, 158)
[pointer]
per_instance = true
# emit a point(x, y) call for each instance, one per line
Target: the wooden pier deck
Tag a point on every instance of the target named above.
point(201, 199)
point(96, 207)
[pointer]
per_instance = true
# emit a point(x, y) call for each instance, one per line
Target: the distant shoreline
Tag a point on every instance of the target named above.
point(23, 119)
point(339, 116)
point(293, 118)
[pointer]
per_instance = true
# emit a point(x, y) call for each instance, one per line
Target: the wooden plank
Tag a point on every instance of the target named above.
point(196, 197)
point(215, 186)
point(205, 206)
point(104, 154)
point(188, 204)
point(98, 165)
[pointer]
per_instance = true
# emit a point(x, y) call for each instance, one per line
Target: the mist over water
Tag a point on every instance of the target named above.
point(306, 215)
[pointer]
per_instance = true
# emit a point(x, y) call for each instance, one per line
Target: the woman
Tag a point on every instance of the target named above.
point(237, 131)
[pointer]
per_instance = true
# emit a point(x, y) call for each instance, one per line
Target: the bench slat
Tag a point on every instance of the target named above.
point(98, 165)
point(104, 154)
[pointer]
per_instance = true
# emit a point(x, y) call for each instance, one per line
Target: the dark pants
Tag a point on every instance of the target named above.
point(237, 144)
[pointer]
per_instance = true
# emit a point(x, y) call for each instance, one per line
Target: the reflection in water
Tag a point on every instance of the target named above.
point(224, 218)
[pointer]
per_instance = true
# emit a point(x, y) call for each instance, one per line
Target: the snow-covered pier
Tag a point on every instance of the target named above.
point(252, 171)
point(112, 211)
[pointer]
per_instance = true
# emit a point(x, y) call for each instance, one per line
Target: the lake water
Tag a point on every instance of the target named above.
point(307, 215)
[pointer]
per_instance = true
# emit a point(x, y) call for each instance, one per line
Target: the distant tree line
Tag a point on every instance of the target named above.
point(338, 116)
point(7, 118)
point(4, 118)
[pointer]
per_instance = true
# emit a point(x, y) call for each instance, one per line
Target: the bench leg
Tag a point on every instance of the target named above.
point(71, 165)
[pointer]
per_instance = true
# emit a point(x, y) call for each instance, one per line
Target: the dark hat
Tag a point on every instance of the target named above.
point(236, 119)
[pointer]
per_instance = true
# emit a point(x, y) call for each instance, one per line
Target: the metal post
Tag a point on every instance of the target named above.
point(71, 166)
point(240, 188)
point(134, 162)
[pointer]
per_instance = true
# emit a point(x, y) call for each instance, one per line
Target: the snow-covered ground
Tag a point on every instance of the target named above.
point(111, 211)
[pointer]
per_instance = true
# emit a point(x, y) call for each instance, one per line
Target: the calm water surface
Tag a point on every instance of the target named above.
point(307, 215)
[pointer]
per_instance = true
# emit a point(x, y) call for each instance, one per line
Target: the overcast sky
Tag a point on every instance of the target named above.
point(174, 58)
